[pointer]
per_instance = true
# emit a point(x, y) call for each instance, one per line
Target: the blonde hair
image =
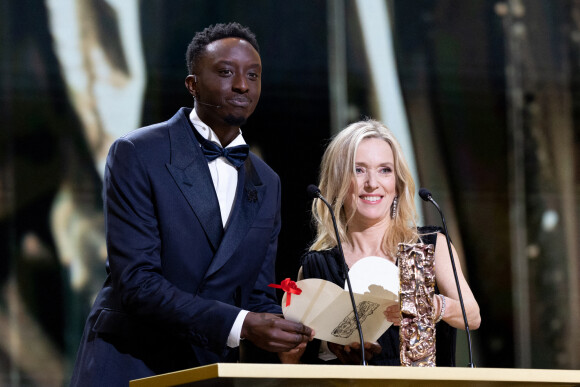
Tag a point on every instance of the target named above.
point(337, 173)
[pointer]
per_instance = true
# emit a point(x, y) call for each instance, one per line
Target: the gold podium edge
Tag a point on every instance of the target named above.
point(341, 372)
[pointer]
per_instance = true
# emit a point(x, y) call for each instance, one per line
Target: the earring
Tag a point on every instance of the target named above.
point(394, 207)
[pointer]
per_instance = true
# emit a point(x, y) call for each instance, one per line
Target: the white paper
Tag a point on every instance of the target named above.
point(327, 308)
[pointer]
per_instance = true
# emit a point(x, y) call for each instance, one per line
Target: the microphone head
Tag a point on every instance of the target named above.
point(313, 191)
point(425, 194)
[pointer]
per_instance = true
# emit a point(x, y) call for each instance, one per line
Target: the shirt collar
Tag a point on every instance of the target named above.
point(209, 134)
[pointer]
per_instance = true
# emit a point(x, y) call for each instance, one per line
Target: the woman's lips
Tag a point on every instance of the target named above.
point(371, 198)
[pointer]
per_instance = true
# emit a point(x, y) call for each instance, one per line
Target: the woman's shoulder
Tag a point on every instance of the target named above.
point(322, 264)
point(429, 229)
point(319, 256)
point(428, 234)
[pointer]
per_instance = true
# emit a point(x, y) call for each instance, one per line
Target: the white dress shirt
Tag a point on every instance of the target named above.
point(225, 181)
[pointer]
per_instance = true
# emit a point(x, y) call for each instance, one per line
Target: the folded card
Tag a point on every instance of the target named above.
point(326, 308)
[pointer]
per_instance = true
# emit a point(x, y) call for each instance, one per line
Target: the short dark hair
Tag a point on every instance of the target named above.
point(213, 33)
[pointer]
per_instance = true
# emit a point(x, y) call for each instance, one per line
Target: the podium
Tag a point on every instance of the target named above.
point(258, 375)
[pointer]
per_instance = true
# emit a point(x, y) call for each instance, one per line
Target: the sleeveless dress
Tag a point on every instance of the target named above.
point(327, 265)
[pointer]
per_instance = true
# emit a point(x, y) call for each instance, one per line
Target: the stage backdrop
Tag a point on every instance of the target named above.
point(484, 96)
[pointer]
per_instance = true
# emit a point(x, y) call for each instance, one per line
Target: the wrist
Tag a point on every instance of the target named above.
point(441, 309)
point(245, 325)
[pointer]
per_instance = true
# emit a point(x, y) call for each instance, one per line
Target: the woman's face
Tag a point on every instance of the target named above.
point(375, 183)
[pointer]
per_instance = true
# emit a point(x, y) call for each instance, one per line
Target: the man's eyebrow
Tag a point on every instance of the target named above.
point(230, 63)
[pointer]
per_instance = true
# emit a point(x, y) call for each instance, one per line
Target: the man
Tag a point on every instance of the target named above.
point(191, 239)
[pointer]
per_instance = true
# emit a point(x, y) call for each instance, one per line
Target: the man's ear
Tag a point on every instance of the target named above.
point(191, 84)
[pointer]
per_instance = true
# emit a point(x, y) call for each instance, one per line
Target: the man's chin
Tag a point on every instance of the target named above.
point(235, 120)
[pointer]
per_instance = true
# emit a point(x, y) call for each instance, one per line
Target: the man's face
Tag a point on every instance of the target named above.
point(228, 75)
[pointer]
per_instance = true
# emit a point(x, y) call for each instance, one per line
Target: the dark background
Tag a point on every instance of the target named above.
point(453, 59)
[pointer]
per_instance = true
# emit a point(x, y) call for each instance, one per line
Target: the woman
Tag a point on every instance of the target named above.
point(366, 179)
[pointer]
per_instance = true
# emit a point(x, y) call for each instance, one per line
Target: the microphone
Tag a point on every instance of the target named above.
point(207, 104)
point(314, 193)
point(426, 196)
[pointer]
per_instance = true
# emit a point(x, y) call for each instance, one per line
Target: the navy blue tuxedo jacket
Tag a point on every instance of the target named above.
point(177, 278)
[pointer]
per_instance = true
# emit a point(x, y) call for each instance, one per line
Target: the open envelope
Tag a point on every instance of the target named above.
point(327, 308)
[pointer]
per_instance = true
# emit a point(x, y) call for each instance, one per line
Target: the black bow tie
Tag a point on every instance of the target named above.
point(234, 154)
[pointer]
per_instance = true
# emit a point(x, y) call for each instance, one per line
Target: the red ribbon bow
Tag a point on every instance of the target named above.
point(289, 287)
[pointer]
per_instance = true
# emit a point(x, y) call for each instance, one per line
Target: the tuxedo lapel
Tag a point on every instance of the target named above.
point(249, 196)
point(189, 169)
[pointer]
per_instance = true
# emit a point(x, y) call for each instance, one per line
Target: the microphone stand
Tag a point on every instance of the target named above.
point(316, 192)
point(426, 195)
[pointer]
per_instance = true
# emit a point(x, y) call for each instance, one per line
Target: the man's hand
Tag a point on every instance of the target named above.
point(292, 356)
point(350, 354)
point(273, 333)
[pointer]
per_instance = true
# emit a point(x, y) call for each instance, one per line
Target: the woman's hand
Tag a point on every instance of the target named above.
point(393, 314)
